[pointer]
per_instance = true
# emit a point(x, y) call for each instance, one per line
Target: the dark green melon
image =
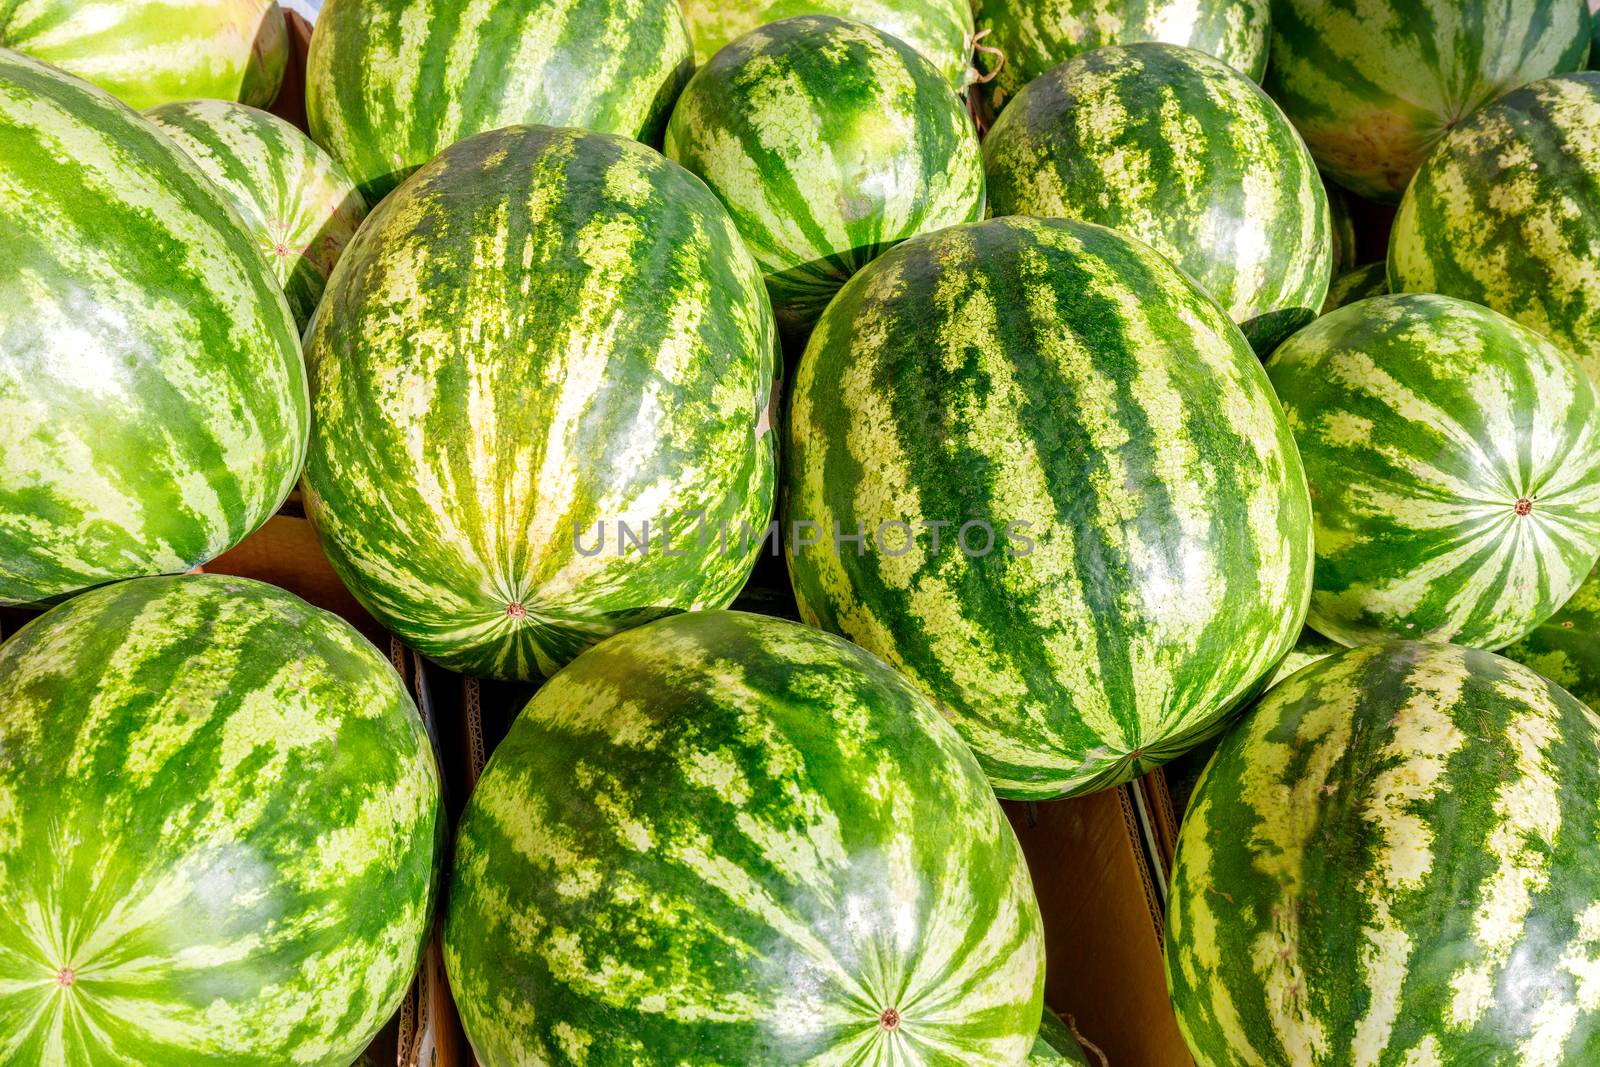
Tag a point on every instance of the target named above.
point(1056, 1046)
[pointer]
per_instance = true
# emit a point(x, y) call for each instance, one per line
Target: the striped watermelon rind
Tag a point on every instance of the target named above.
point(1371, 279)
point(152, 397)
point(220, 827)
point(829, 141)
point(1343, 227)
point(1565, 648)
point(1503, 214)
point(1390, 861)
point(724, 838)
point(543, 335)
point(1373, 87)
point(1063, 376)
point(1183, 152)
point(1454, 463)
point(297, 201)
point(391, 83)
point(1056, 1046)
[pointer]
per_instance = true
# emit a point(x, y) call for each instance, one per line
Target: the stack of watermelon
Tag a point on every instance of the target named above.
point(1098, 381)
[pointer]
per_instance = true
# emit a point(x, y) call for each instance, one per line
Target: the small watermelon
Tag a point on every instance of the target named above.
point(1078, 519)
point(220, 829)
point(1565, 648)
point(1021, 39)
point(728, 839)
point(1055, 1046)
point(939, 29)
point(149, 52)
point(1454, 463)
point(1179, 150)
point(1373, 86)
point(1310, 648)
point(540, 380)
point(1344, 229)
point(1506, 212)
point(1358, 284)
point(392, 83)
point(829, 141)
point(152, 396)
point(298, 203)
point(1391, 861)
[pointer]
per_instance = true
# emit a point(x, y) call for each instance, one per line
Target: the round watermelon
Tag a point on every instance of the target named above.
point(149, 52)
point(297, 202)
point(1056, 1046)
point(1565, 648)
point(1343, 229)
point(152, 397)
point(1083, 526)
point(540, 377)
point(1507, 213)
point(829, 141)
point(1358, 284)
point(1374, 86)
point(939, 29)
point(1454, 464)
point(1179, 150)
point(220, 827)
point(391, 83)
point(1392, 861)
point(727, 839)
point(1021, 39)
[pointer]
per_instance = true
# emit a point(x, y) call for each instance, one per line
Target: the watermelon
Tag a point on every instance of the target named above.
point(1392, 862)
point(1369, 280)
point(149, 52)
point(298, 203)
point(1454, 463)
point(1084, 527)
point(392, 83)
point(1177, 149)
point(939, 29)
point(727, 839)
point(220, 827)
point(829, 141)
point(1507, 213)
point(1343, 227)
point(1373, 86)
point(1565, 648)
point(152, 399)
point(1056, 1046)
point(540, 376)
point(1021, 39)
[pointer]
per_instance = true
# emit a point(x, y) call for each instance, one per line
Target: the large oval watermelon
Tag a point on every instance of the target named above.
point(1391, 862)
point(220, 825)
point(1374, 86)
point(392, 83)
point(1021, 39)
point(540, 377)
point(1454, 463)
point(1085, 529)
point(1506, 212)
point(152, 397)
point(727, 839)
point(149, 52)
point(939, 29)
point(829, 141)
point(1565, 648)
point(297, 201)
point(1179, 150)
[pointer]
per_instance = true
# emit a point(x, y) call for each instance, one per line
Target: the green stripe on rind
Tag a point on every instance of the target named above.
point(1358, 284)
point(1035, 35)
point(149, 52)
point(392, 83)
point(1058, 374)
point(829, 141)
point(152, 397)
point(299, 204)
point(1428, 426)
point(1565, 648)
point(541, 331)
point(1343, 227)
point(1374, 85)
point(939, 29)
point(1506, 213)
point(220, 825)
point(1056, 1047)
point(1390, 863)
point(1181, 151)
point(1310, 648)
point(727, 839)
